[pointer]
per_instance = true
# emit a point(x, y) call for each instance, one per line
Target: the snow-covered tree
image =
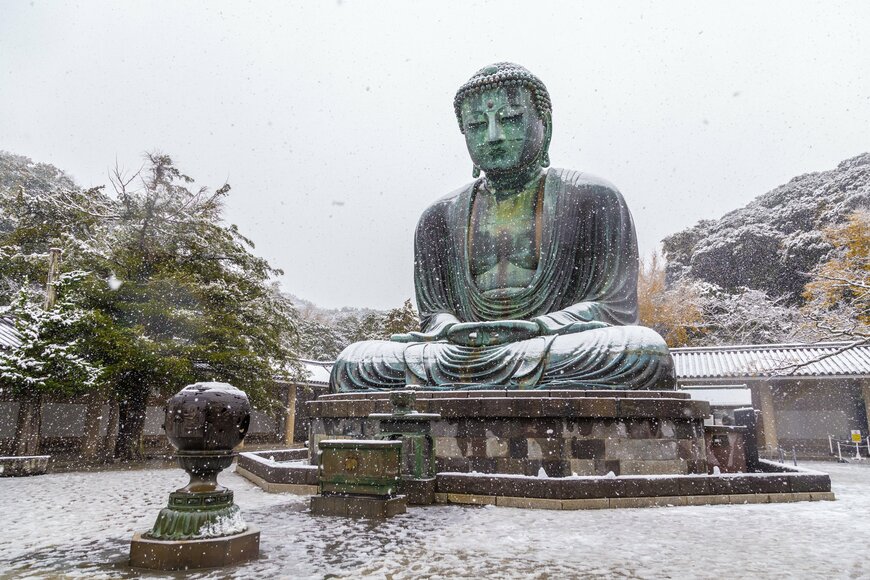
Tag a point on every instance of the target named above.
point(185, 299)
point(687, 312)
point(747, 316)
point(400, 320)
point(52, 356)
point(41, 208)
point(318, 340)
point(323, 334)
point(174, 295)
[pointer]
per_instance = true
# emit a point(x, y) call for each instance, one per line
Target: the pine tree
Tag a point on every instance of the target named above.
point(400, 320)
point(51, 357)
point(191, 302)
point(172, 294)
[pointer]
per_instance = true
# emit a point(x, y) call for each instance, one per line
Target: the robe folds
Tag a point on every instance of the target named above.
point(587, 271)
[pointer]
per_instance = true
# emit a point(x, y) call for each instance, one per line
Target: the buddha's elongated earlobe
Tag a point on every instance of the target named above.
point(475, 173)
point(548, 134)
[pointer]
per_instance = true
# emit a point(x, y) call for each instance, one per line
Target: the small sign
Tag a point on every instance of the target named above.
point(856, 436)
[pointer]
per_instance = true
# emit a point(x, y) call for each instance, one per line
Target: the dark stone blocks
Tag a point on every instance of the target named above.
point(520, 404)
point(587, 449)
point(353, 506)
point(483, 465)
point(566, 488)
point(648, 407)
point(418, 491)
point(698, 485)
point(566, 432)
point(608, 467)
point(645, 487)
point(517, 448)
point(588, 488)
point(805, 482)
point(451, 464)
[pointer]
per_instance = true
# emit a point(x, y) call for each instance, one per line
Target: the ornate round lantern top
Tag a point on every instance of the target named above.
point(207, 417)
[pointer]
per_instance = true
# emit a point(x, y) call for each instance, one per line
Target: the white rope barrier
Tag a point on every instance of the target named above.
point(846, 446)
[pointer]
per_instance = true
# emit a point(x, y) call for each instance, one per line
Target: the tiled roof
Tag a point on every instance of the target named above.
point(318, 371)
point(823, 359)
point(9, 337)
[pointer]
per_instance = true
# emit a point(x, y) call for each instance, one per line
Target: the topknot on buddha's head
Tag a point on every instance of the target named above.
point(504, 74)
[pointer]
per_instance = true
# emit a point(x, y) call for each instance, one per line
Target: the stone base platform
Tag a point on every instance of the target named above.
point(630, 502)
point(564, 432)
point(562, 449)
point(419, 491)
point(23, 465)
point(194, 554)
point(356, 506)
point(776, 483)
point(279, 470)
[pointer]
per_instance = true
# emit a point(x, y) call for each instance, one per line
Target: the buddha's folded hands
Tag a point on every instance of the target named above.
point(491, 333)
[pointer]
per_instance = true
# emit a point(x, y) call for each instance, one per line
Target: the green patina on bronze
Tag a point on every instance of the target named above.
point(525, 278)
point(187, 515)
point(414, 431)
point(201, 505)
point(359, 467)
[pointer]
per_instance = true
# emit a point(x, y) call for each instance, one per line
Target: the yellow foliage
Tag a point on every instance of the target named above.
point(674, 313)
point(845, 279)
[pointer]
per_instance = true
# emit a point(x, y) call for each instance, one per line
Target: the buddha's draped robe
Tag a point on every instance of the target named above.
point(587, 270)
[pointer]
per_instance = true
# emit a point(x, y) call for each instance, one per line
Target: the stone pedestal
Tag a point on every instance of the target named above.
point(726, 448)
point(564, 432)
point(356, 506)
point(748, 419)
point(22, 465)
point(414, 430)
point(763, 394)
point(193, 554)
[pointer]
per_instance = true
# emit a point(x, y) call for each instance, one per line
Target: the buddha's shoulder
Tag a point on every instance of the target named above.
point(447, 202)
point(454, 195)
point(580, 180)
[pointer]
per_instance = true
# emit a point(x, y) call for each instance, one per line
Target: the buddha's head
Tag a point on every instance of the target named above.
point(504, 111)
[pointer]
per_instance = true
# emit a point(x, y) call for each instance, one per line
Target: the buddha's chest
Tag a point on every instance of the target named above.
point(504, 241)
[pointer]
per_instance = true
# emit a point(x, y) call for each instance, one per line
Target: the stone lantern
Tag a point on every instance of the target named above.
point(201, 527)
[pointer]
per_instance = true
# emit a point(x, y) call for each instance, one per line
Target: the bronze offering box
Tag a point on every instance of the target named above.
point(360, 467)
point(359, 478)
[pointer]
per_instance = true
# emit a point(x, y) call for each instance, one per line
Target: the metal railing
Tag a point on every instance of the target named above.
point(779, 455)
point(846, 450)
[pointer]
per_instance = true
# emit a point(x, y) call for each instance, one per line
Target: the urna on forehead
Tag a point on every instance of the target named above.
point(504, 74)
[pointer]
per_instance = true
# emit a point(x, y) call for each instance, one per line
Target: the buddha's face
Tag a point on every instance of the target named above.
point(503, 130)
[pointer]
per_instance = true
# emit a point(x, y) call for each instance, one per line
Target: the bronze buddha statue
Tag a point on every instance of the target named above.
point(525, 278)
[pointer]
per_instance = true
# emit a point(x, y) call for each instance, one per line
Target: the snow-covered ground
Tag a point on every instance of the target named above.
point(79, 525)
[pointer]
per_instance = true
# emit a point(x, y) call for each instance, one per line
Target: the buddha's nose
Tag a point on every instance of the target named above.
point(494, 131)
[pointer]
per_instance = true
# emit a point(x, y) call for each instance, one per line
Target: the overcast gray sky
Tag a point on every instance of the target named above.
point(333, 121)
